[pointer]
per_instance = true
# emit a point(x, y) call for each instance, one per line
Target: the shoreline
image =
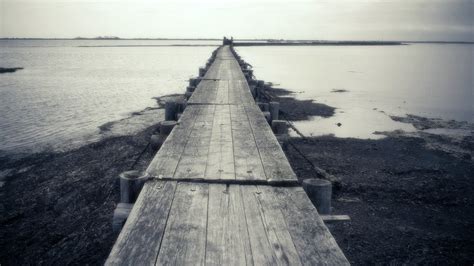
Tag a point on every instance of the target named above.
point(57, 207)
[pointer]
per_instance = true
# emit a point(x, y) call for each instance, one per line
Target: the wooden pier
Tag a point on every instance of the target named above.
point(223, 192)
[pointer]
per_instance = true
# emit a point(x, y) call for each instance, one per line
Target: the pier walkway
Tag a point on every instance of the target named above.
point(223, 192)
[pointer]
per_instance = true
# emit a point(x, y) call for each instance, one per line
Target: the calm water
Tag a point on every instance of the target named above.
point(422, 79)
point(66, 92)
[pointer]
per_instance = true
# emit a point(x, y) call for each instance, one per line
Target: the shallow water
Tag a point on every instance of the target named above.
point(65, 92)
point(429, 80)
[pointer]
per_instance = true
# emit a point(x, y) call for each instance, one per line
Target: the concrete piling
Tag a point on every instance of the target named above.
point(188, 95)
point(156, 140)
point(202, 71)
point(166, 127)
point(263, 106)
point(274, 108)
point(171, 109)
point(194, 81)
point(268, 116)
point(320, 193)
point(121, 213)
point(190, 88)
point(279, 127)
point(131, 183)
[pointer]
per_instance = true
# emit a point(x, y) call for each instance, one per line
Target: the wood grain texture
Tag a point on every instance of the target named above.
point(140, 239)
point(227, 235)
point(312, 239)
point(184, 241)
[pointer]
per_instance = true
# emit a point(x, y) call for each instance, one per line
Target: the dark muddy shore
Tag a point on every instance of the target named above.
point(409, 195)
point(56, 208)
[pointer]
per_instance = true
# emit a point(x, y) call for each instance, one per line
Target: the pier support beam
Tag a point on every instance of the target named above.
point(320, 193)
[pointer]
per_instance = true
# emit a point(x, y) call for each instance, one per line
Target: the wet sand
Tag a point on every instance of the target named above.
point(409, 195)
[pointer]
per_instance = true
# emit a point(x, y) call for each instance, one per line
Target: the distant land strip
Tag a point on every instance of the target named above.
point(341, 43)
point(151, 45)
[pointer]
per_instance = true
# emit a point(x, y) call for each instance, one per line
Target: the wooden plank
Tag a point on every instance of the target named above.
point(275, 163)
point(206, 92)
point(267, 229)
point(166, 160)
point(192, 163)
point(220, 162)
point(184, 241)
point(248, 165)
point(227, 236)
point(222, 96)
point(140, 239)
point(313, 241)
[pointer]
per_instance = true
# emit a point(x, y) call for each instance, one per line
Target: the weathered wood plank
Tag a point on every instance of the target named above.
point(274, 161)
point(313, 241)
point(140, 238)
point(166, 160)
point(248, 164)
point(270, 240)
point(220, 162)
point(227, 236)
point(184, 241)
point(192, 163)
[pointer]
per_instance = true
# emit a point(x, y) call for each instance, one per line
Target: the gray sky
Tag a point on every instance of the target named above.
point(446, 20)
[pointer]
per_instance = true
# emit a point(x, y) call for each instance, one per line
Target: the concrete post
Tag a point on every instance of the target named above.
point(171, 109)
point(253, 91)
point(131, 183)
point(166, 127)
point(190, 88)
point(188, 95)
point(156, 140)
point(320, 192)
point(121, 214)
point(279, 127)
point(194, 81)
point(267, 116)
point(263, 106)
point(274, 110)
point(202, 71)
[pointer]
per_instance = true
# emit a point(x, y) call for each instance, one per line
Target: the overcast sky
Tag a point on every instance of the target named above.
point(446, 20)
